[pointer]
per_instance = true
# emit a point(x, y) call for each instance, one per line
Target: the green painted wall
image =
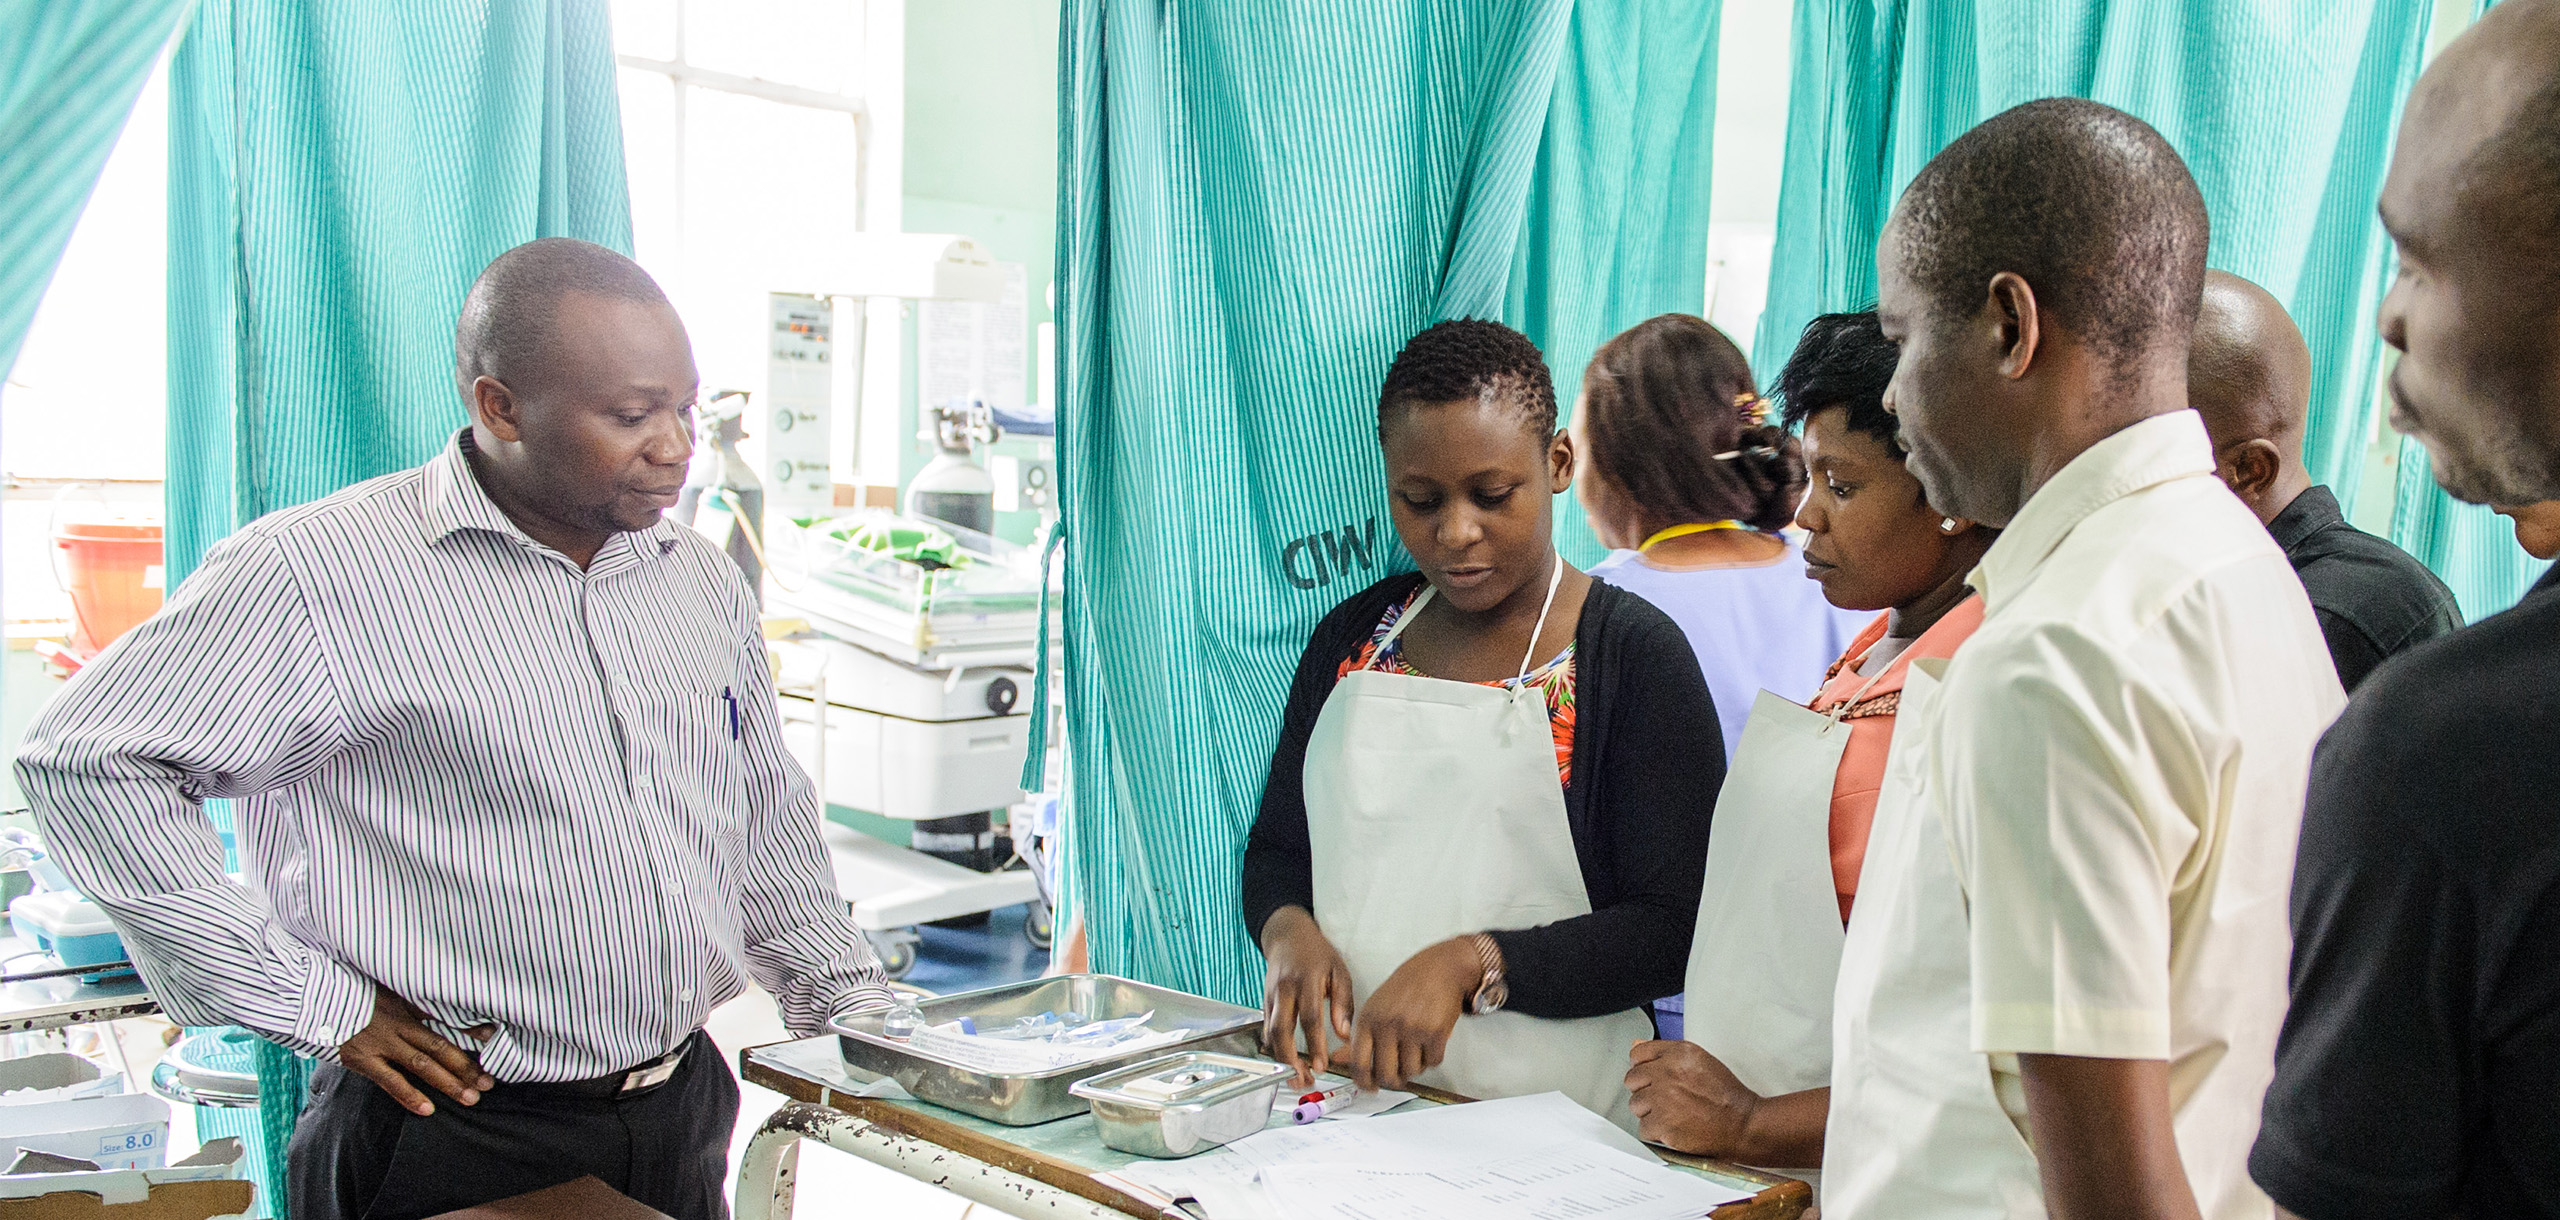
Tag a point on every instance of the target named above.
point(982, 128)
point(982, 156)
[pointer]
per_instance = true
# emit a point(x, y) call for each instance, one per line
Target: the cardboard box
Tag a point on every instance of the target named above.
point(206, 1186)
point(36, 1079)
point(117, 1131)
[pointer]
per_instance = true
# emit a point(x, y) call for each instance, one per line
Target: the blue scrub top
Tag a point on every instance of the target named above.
point(1754, 627)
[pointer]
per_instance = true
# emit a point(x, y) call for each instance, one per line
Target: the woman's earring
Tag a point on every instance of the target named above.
point(1947, 526)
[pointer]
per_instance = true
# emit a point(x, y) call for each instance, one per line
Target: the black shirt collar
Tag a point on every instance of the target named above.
point(2316, 509)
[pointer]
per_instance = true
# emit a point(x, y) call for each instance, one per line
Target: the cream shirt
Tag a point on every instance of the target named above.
point(2117, 761)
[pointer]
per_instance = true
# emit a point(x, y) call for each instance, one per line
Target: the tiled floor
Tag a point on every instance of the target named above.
point(833, 1184)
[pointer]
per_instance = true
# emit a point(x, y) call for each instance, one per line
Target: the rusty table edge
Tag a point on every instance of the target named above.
point(1013, 1158)
point(1780, 1198)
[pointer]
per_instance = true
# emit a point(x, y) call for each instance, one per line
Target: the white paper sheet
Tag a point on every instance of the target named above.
point(1564, 1183)
point(1521, 1158)
point(1443, 1135)
point(886, 1087)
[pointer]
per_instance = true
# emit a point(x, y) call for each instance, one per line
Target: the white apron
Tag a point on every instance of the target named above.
point(1916, 1131)
point(1767, 950)
point(1434, 810)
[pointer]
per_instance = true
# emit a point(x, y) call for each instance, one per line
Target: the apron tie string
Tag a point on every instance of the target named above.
point(1840, 711)
point(1520, 687)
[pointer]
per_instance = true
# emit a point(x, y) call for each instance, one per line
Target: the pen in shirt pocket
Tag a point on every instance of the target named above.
point(728, 695)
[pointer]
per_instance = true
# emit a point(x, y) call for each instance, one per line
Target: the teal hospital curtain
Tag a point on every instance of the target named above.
point(68, 77)
point(2285, 111)
point(1615, 230)
point(338, 174)
point(1257, 207)
point(2473, 549)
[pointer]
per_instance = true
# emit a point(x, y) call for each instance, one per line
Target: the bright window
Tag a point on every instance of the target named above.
point(84, 413)
point(745, 135)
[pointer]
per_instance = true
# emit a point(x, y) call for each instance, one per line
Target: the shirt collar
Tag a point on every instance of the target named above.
point(2550, 581)
point(452, 500)
point(2314, 510)
point(2152, 452)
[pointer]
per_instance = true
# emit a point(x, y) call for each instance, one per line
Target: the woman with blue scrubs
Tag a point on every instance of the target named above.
point(1689, 481)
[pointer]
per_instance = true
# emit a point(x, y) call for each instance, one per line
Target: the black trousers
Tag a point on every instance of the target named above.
point(358, 1156)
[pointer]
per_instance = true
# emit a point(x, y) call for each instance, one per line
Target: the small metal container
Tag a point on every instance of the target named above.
point(1022, 1099)
point(1181, 1104)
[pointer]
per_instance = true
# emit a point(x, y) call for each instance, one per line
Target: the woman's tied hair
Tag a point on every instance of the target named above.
point(1676, 426)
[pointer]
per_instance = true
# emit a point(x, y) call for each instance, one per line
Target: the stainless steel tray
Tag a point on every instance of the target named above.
point(1180, 1104)
point(1022, 1100)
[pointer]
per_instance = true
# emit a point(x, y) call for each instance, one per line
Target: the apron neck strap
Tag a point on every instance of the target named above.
point(1404, 620)
point(1555, 579)
point(1840, 711)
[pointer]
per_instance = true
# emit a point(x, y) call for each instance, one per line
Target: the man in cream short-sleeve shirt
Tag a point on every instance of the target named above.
point(2067, 999)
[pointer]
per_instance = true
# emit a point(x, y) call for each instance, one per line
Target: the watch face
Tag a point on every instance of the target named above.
point(1492, 996)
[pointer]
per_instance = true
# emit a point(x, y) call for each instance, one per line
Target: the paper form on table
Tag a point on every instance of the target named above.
point(1565, 1183)
point(1520, 1158)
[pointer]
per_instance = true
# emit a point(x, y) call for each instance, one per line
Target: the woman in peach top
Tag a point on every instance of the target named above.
point(1874, 544)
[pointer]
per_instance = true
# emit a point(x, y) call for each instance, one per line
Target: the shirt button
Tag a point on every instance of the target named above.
point(328, 1033)
point(685, 995)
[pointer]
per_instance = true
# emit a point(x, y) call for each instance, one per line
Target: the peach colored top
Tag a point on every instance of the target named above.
point(1861, 775)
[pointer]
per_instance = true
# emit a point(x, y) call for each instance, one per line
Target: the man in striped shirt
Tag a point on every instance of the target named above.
point(513, 805)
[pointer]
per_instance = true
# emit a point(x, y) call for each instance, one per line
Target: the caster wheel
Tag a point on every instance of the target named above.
point(1036, 924)
point(897, 954)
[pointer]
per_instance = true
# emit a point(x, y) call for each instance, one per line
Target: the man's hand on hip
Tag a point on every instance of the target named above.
point(397, 1051)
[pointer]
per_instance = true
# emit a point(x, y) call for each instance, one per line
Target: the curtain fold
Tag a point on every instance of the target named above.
point(68, 77)
point(2284, 112)
point(338, 174)
point(1615, 228)
point(1256, 209)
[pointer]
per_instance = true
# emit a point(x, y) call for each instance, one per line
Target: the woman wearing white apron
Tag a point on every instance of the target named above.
point(1478, 851)
point(1752, 1081)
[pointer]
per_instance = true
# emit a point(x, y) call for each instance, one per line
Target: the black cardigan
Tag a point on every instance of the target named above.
point(1648, 759)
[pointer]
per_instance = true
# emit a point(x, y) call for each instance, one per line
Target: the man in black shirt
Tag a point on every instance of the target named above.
point(2249, 375)
point(2419, 1070)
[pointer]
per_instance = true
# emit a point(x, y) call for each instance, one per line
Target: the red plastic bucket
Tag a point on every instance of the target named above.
point(112, 571)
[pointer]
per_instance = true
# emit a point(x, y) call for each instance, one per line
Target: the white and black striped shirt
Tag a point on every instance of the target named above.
point(507, 789)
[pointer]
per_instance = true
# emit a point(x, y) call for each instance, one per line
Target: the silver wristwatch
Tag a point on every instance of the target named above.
point(1492, 993)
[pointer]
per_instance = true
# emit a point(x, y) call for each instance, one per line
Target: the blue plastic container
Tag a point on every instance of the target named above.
point(72, 929)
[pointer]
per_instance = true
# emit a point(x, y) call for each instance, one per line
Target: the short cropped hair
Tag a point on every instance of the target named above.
point(508, 317)
point(1843, 360)
point(2520, 167)
point(1466, 360)
point(1676, 427)
point(2087, 203)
